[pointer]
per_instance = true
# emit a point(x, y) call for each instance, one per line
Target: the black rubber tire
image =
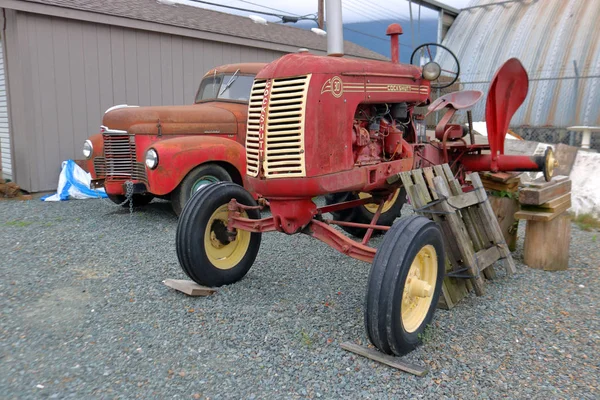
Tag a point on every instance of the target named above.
point(183, 192)
point(383, 302)
point(139, 199)
point(361, 215)
point(191, 229)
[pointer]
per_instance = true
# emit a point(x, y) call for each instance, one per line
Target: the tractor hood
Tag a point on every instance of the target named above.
point(204, 118)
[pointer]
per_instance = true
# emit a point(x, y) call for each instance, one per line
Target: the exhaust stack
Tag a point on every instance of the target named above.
point(335, 34)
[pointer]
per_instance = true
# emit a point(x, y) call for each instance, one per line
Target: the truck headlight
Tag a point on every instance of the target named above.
point(432, 71)
point(88, 149)
point(151, 159)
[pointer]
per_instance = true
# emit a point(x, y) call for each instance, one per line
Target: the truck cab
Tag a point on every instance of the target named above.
point(171, 151)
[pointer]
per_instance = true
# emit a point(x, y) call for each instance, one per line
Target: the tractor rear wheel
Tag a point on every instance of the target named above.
point(363, 214)
point(205, 251)
point(404, 285)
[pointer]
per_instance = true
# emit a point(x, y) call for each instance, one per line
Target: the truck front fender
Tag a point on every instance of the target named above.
point(178, 156)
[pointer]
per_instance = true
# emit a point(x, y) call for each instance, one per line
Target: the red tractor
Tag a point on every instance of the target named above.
point(322, 125)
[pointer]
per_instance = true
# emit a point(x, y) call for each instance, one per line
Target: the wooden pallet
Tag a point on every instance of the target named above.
point(472, 236)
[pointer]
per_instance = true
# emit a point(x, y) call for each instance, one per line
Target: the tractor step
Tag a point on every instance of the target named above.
point(472, 236)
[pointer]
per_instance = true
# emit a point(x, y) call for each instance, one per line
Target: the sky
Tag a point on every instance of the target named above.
point(352, 10)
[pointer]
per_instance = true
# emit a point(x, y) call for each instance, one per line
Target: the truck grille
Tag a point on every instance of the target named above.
point(283, 131)
point(120, 158)
point(256, 98)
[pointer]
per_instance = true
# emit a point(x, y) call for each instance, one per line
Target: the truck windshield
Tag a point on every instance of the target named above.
point(225, 86)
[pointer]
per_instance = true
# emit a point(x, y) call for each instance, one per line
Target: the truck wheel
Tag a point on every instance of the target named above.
point(139, 199)
point(194, 180)
point(404, 285)
point(203, 249)
point(364, 214)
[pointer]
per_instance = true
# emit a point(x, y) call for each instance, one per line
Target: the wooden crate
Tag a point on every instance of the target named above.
point(472, 236)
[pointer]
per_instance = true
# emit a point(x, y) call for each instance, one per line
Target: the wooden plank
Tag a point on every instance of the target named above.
point(470, 217)
point(504, 209)
point(418, 177)
point(406, 180)
point(188, 287)
point(533, 196)
point(556, 201)
point(19, 197)
point(547, 244)
point(428, 174)
point(463, 200)
point(461, 236)
point(487, 257)
point(500, 177)
point(556, 209)
point(489, 220)
point(501, 187)
point(394, 362)
point(542, 214)
point(543, 184)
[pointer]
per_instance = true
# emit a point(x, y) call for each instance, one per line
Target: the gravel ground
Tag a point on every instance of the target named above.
point(84, 314)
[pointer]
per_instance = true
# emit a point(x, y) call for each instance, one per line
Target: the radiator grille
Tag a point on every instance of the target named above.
point(284, 134)
point(120, 157)
point(100, 167)
point(256, 98)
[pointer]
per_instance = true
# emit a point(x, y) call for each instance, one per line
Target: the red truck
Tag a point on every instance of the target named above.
point(171, 151)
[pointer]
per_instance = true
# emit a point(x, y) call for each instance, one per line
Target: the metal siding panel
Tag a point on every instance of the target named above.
point(48, 147)
point(143, 68)
point(166, 69)
point(5, 148)
point(190, 83)
point(79, 109)
point(131, 67)
point(177, 63)
point(199, 57)
point(105, 70)
point(62, 93)
point(546, 36)
point(117, 49)
point(155, 69)
point(91, 63)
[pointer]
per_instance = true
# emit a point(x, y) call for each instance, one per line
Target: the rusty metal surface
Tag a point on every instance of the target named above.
point(558, 42)
point(245, 69)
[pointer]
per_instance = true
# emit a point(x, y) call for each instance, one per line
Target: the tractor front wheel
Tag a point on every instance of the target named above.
point(363, 214)
point(404, 285)
point(207, 253)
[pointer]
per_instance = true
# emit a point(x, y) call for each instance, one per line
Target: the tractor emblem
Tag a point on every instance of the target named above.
point(333, 85)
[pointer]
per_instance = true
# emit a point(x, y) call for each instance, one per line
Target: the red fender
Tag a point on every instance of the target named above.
point(178, 156)
point(507, 92)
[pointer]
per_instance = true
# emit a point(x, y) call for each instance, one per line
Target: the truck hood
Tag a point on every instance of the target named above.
point(205, 118)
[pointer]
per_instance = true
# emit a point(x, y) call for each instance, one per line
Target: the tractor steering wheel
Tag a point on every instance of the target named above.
point(449, 70)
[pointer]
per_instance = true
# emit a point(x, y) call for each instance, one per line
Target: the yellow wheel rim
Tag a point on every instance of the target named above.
point(418, 288)
point(372, 207)
point(222, 253)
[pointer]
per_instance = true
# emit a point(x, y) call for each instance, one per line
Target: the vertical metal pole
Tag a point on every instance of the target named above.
point(321, 14)
point(574, 112)
point(335, 33)
point(440, 26)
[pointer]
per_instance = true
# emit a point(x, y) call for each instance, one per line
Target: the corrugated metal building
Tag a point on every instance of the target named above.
point(558, 42)
point(64, 62)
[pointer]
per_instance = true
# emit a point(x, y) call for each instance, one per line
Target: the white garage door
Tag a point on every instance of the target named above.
point(4, 135)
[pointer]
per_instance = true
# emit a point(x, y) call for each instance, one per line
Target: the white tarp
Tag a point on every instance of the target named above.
point(74, 183)
point(585, 181)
